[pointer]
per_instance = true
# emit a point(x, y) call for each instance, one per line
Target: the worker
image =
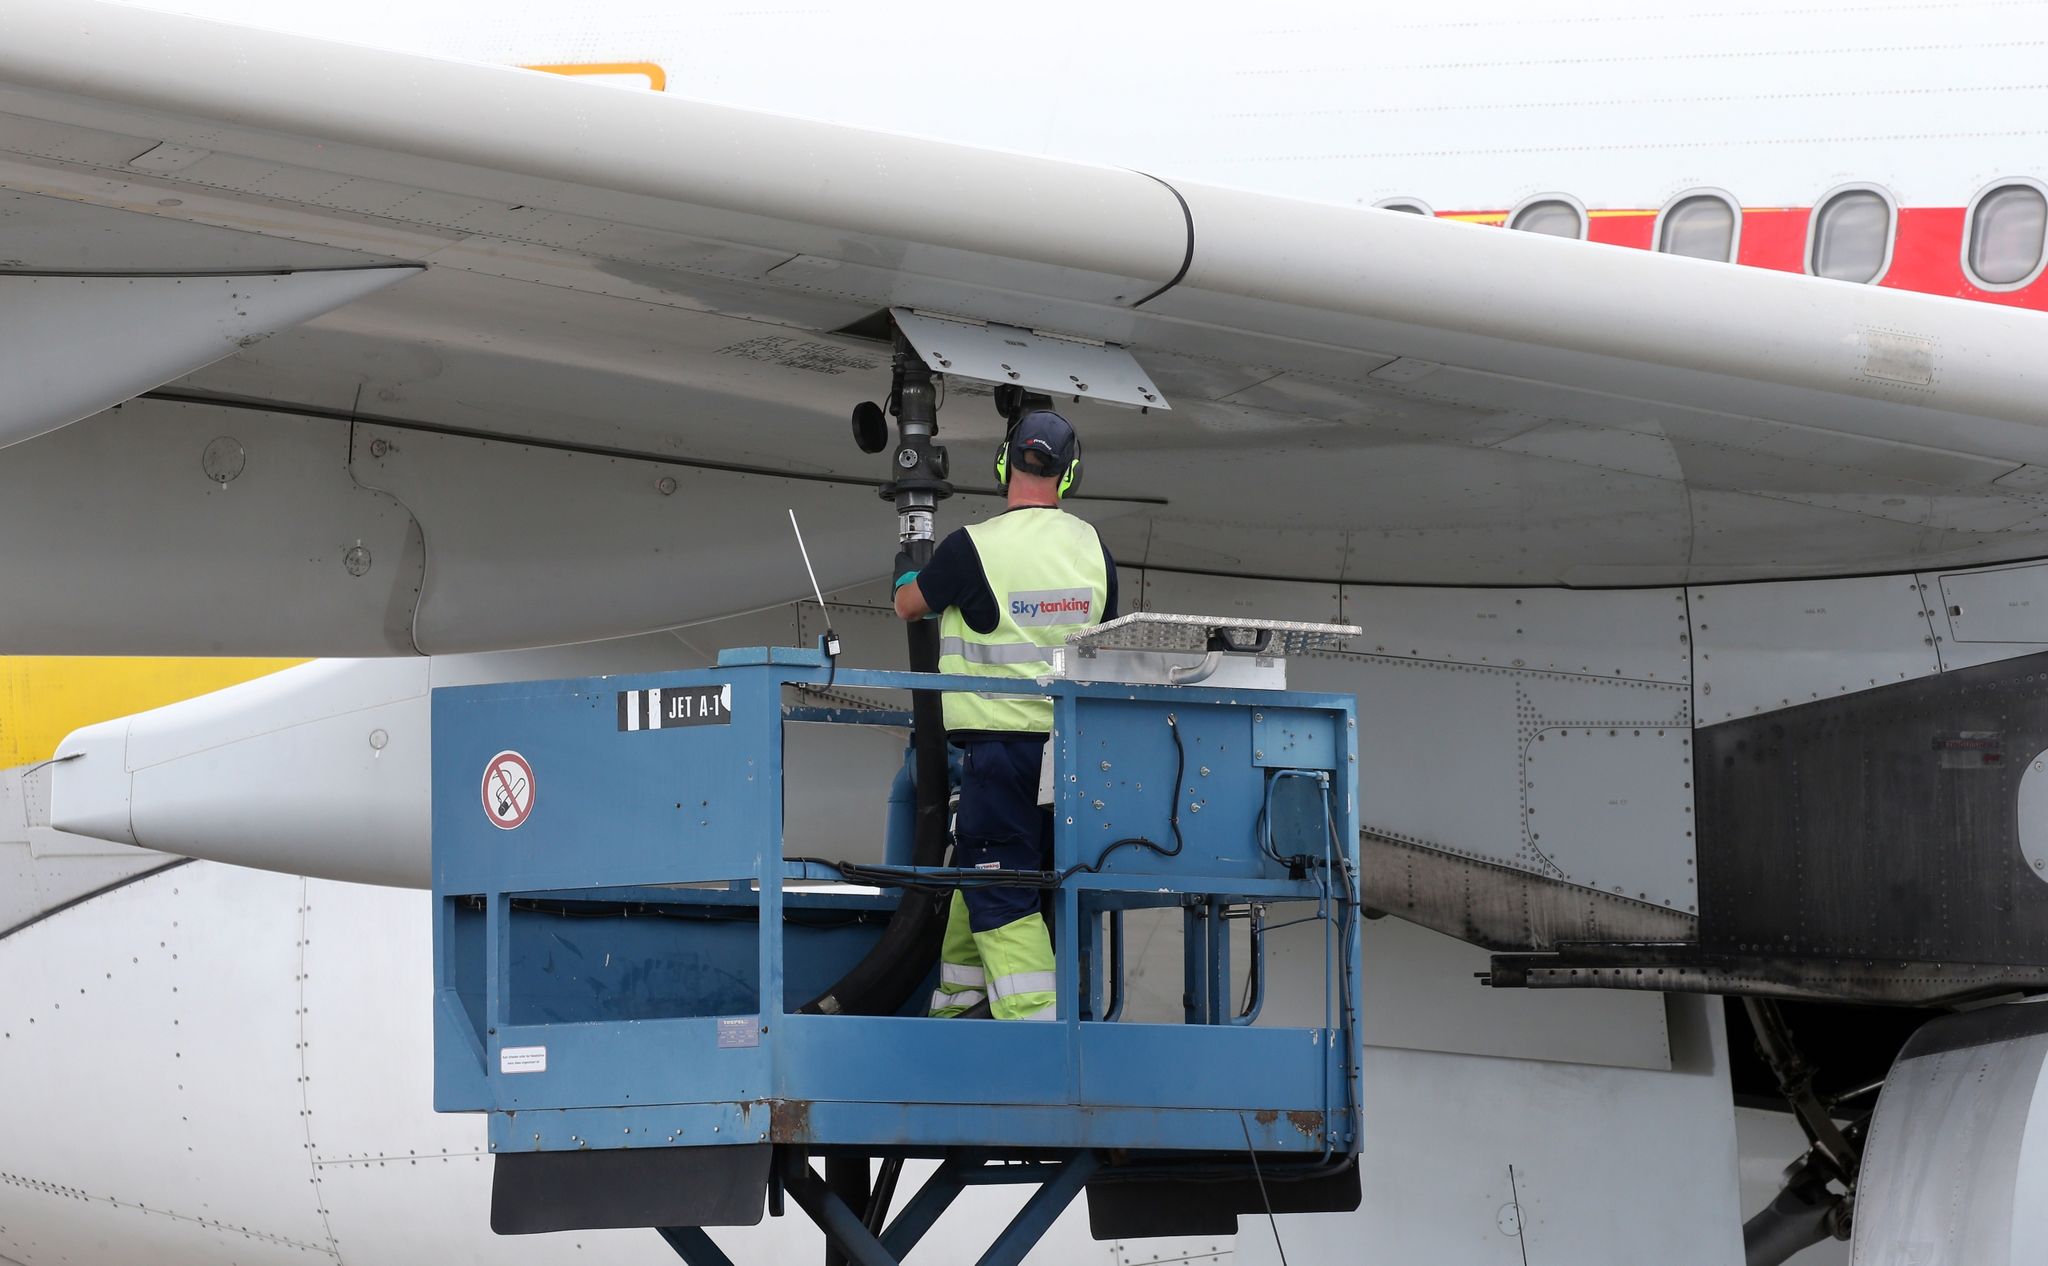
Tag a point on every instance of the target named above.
point(1007, 592)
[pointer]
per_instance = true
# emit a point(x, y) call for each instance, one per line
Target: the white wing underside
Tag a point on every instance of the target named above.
point(622, 289)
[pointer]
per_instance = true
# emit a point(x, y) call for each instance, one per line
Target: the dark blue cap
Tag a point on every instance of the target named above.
point(1047, 435)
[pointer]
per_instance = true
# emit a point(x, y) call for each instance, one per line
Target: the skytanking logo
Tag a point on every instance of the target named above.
point(1052, 606)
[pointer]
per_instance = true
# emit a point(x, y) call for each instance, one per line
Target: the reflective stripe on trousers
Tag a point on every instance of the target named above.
point(966, 977)
point(1020, 951)
point(1023, 982)
point(1024, 995)
point(962, 982)
point(1021, 978)
point(946, 1005)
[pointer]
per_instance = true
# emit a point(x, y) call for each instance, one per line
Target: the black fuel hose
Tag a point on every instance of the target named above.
point(899, 962)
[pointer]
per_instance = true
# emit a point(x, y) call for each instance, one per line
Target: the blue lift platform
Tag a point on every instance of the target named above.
point(622, 949)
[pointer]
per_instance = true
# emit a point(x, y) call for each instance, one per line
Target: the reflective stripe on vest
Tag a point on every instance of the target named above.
point(1049, 578)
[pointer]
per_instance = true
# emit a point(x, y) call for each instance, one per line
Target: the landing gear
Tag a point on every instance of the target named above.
point(1819, 1196)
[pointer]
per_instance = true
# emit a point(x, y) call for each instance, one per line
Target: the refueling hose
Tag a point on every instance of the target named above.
point(899, 962)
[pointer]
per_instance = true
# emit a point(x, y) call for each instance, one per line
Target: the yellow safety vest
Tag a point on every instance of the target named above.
point(1049, 577)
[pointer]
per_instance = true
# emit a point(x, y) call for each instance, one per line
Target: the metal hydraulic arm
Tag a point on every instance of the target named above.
point(1808, 1210)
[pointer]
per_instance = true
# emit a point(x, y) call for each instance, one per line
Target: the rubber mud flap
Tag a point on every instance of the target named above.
point(533, 1192)
point(1139, 1208)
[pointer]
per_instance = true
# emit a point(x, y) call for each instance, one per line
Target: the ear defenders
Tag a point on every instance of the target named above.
point(1069, 478)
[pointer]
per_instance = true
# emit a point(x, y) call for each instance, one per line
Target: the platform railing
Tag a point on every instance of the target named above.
point(621, 970)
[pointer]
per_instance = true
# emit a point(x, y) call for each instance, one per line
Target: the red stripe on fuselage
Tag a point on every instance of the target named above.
point(1927, 252)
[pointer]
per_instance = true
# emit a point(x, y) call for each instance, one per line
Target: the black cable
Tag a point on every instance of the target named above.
point(1351, 904)
point(949, 879)
point(1180, 769)
point(938, 879)
point(1295, 923)
point(699, 914)
point(884, 1194)
point(1264, 1199)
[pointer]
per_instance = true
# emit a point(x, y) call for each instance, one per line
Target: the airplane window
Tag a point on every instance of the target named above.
point(1852, 236)
point(2007, 230)
point(1701, 225)
point(1407, 206)
point(1553, 217)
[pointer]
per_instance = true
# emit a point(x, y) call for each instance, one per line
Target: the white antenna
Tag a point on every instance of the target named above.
point(807, 558)
point(831, 638)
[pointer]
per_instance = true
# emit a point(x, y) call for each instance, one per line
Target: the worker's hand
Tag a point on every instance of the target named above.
point(905, 569)
point(910, 603)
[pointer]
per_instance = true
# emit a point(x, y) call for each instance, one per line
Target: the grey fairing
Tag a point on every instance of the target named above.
point(321, 769)
point(72, 345)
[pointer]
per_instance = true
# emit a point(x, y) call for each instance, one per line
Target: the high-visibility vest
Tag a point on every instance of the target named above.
point(1050, 579)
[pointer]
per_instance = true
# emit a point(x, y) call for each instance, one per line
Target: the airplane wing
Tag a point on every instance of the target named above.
point(512, 360)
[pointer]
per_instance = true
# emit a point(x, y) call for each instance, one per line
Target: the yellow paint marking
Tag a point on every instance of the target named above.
point(657, 78)
point(45, 697)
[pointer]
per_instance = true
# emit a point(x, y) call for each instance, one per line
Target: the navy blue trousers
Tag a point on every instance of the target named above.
point(1001, 825)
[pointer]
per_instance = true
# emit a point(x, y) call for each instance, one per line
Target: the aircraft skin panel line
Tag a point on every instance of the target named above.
point(71, 346)
point(84, 897)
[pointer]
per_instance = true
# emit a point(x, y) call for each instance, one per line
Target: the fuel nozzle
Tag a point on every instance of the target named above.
point(919, 465)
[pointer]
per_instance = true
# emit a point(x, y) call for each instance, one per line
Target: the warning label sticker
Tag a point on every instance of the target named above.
point(790, 353)
point(523, 1059)
point(1970, 749)
point(508, 790)
point(673, 707)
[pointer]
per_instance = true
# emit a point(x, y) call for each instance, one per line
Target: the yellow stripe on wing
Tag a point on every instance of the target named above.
point(657, 78)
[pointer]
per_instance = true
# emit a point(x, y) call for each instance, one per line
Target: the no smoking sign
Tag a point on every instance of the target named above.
point(508, 790)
